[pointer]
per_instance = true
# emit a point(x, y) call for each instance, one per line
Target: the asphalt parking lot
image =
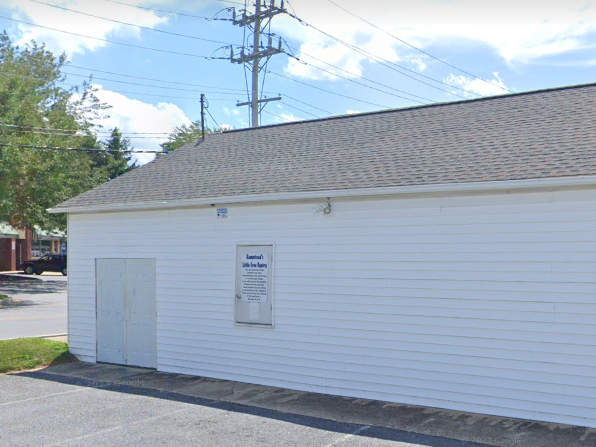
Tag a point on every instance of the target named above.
point(40, 409)
point(40, 305)
point(90, 404)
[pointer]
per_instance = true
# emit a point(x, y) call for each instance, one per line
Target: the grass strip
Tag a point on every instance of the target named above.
point(22, 354)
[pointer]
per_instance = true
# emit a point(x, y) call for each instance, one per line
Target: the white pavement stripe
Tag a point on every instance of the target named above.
point(116, 428)
point(356, 432)
point(42, 397)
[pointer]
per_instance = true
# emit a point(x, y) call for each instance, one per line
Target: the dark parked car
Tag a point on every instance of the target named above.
point(47, 263)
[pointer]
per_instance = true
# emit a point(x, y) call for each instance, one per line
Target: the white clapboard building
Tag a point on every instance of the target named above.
point(442, 255)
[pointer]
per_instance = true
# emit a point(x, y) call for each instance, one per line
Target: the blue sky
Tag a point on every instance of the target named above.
point(489, 48)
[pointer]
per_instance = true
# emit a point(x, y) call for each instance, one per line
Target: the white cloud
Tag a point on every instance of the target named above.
point(48, 16)
point(284, 117)
point(131, 115)
point(352, 112)
point(290, 117)
point(315, 47)
point(418, 63)
point(520, 32)
point(227, 111)
point(484, 87)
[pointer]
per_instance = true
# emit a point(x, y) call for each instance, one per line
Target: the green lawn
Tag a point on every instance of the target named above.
point(29, 353)
point(3, 297)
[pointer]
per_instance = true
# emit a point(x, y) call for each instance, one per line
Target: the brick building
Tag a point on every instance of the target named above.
point(15, 246)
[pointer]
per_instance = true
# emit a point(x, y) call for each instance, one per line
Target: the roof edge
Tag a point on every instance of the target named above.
point(408, 108)
point(441, 188)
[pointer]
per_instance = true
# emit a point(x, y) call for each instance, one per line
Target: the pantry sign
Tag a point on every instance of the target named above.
point(254, 277)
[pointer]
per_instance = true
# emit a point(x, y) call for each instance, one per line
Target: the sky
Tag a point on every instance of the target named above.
point(340, 56)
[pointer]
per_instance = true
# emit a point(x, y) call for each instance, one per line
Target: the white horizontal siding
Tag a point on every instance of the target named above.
point(482, 303)
point(81, 300)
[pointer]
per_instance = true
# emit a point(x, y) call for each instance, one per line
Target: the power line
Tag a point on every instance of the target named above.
point(128, 92)
point(350, 73)
point(306, 104)
point(76, 130)
point(149, 85)
point(214, 120)
point(209, 19)
point(290, 5)
point(416, 48)
point(328, 91)
point(100, 134)
point(54, 134)
point(300, 110)
point(113, 41)
point(131, 24)
point(387, 63)
point(279, 116)
point(124, 92)
point(189, 84)
point(136, 46)
point(78, 149)
point(362, 84)
point(233, 3)
point(152, 79)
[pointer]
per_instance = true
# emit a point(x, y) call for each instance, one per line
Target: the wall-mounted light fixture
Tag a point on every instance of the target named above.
point(324, 208)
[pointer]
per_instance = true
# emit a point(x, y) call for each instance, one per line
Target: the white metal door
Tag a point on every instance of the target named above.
point(111, 328)
point(126, 312)
point(140, 300)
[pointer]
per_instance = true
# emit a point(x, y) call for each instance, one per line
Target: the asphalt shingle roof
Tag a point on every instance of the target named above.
point(544, 134)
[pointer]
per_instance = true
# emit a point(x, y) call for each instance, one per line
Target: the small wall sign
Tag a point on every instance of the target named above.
point(254, 278)
point(222, 213)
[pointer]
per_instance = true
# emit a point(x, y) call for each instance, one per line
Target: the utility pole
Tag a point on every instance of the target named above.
point(255, 72)
point(255, 21)
point(202, 116)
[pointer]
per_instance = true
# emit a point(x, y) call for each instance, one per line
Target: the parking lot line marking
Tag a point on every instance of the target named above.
point(349, 435)
point(116, 428)
point(14, 402)
point(33, 318)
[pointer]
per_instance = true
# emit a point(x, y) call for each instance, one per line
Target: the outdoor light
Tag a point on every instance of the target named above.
point(324, 208)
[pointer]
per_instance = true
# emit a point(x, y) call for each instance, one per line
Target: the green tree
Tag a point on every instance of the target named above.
point(36, 112)
point(116, 158)
point(183, 135)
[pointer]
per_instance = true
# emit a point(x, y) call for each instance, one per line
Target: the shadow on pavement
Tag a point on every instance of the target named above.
point(13, 286)
point(22, 303)
point(127, 385)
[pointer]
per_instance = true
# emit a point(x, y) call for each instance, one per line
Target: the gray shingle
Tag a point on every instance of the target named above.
point(543, 134)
